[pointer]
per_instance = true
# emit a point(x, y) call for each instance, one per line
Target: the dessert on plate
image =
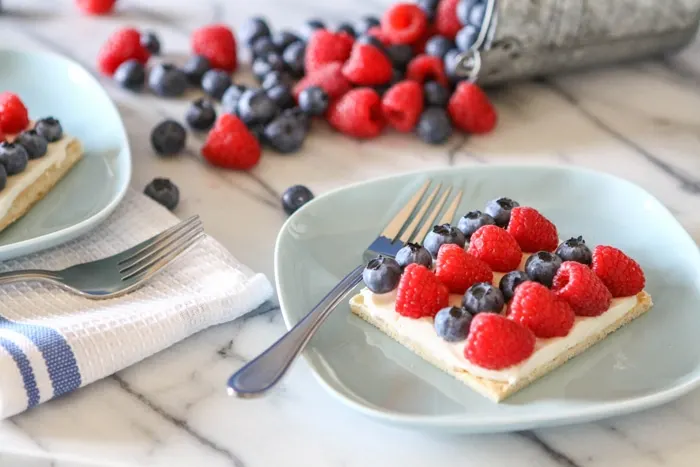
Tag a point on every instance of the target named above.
point(499, 301)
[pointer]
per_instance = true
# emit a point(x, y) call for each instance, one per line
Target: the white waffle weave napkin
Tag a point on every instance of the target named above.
point(53, 342)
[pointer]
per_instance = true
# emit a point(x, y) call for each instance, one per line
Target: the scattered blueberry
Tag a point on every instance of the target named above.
point(50, 128)
point(441, 235)
point(510, 281)
point(429, 7)
point(542, 267)
point(167, 80)
point(275, 78)
point(131, 75)
point(258, 130)
point(347, 28)
point(150, 41)
point(464, 7)
point(168, 137)
point(575, 249)
point(400, 55)
point(201, 115)
point(438, 46)
point(435, 94)
point(14, 157)
point(254, 106)
point(283, 39)
point(371, 40)
point(264, 65)
point(365, 24)
point(313, 101)
point(466, 37)
point(3, 177)
point(500, 210)
point(382, 275)
point(285, 133)
point(282, 96)
point(310, 27)
point(414, 253)
point(452, 323)
point(483, 297)
point(253, 29)
point(164, 192)
point(477, 14)
point(263, 46)
point(297, 113)
point(215, 83)
point(472, 221)
point(229, 101)
point(434, 126)
point(293, 57)
point(35, 144)
point(295, 197)
point(451, 61)
point(194, 69)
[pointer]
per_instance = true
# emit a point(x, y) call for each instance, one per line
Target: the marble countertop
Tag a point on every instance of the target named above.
point(638, 121)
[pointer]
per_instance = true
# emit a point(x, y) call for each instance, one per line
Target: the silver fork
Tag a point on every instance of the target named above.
point(121, 273)
point(410, 224)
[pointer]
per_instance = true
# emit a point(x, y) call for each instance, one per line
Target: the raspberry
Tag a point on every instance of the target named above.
point(122, 45)
point(578, 285)
point(532, 230)
point(471, 110)
point(420, 293)
point(424, 68)
point(496, 342)
point(459, 270)
point(95, 7)
point(496, 247)
point(537, 308)
point(358, 113)
point(402, 105)
point(231, 145)
point(419, 45)
point(13, 114)
point(621, 274)
point(446, 21)
point(326, 47)
point(367, 66)
point(404, 23)
point(217, 43)
point(376, 32)
point(328, 77)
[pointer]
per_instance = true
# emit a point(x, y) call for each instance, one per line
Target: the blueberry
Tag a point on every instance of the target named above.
point(167, 80)
point(215, 83)
point(255, 106)
point(263, 46)
point(347, 28)
point(264, 65)
point(438, 46)
point(483, 297)
point(35, 144)
point(400, 55)
point(313, 101)
point(275, 78)
point(452, 323)
point(50, 128)
point(283, 39)
point(464, 7)
point(194, 69)
point(413, 253)
point(297, 113)
point(295, 197)
point(500, 210)
point(382, 275)
point(435, 94)
point(168, 137)
point(451, 61)
point(282, 96)
point(365, 24)
point(293, 57)
point(131, 75)
point(434, 126)
point(201, 115)
point(14, 157)
point(3, 173)
point(575, 249)
point(510, 281)
point(371, 40)
point(429, 7)
point(285, 134)
point(477, 14)
point(466, 37)
point(472, 221)
point(442, 235)
point(310, 27)
point(229, 101)
point(258, 130)
point(542, 267)
point(164, 192)
point(253, 29)
point(150, 41)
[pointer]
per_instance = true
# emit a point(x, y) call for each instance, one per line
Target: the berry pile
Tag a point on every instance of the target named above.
point(501, 320)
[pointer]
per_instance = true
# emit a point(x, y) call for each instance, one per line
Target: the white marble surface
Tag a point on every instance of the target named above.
point(638, 121)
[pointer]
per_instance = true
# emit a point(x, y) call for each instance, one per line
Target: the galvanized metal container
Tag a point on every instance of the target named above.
point(525, 38)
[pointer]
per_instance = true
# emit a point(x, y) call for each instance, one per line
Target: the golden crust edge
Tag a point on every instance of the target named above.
point(498, 391)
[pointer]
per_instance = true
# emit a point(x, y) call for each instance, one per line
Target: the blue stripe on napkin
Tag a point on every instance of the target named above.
point(25, 370)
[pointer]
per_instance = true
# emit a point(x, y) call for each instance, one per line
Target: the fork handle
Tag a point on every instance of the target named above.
point(265, 371)
point(28, 275)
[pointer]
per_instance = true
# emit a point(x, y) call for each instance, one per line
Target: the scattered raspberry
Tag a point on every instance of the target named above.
point(95, 7)
point(328, 77)
point(420, 293)
point(122, 45)
point(621, 274)
point(13, 114)
point(327, 47)
point(376, 32)
point(358, 113)
point(424, 68)
point(471, 110)
point(578, 285)
point(217, 43)
point(402, 105)
point(532, 230)
point(496, 342)
point(459, 270)
point(404, 23)
point(446, 21)
point(496, 247)
point(367, 66)
point(231, 145)
point(537, 308)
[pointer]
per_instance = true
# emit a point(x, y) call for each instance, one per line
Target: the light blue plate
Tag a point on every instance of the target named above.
point(51, 85)
point(651, 361)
